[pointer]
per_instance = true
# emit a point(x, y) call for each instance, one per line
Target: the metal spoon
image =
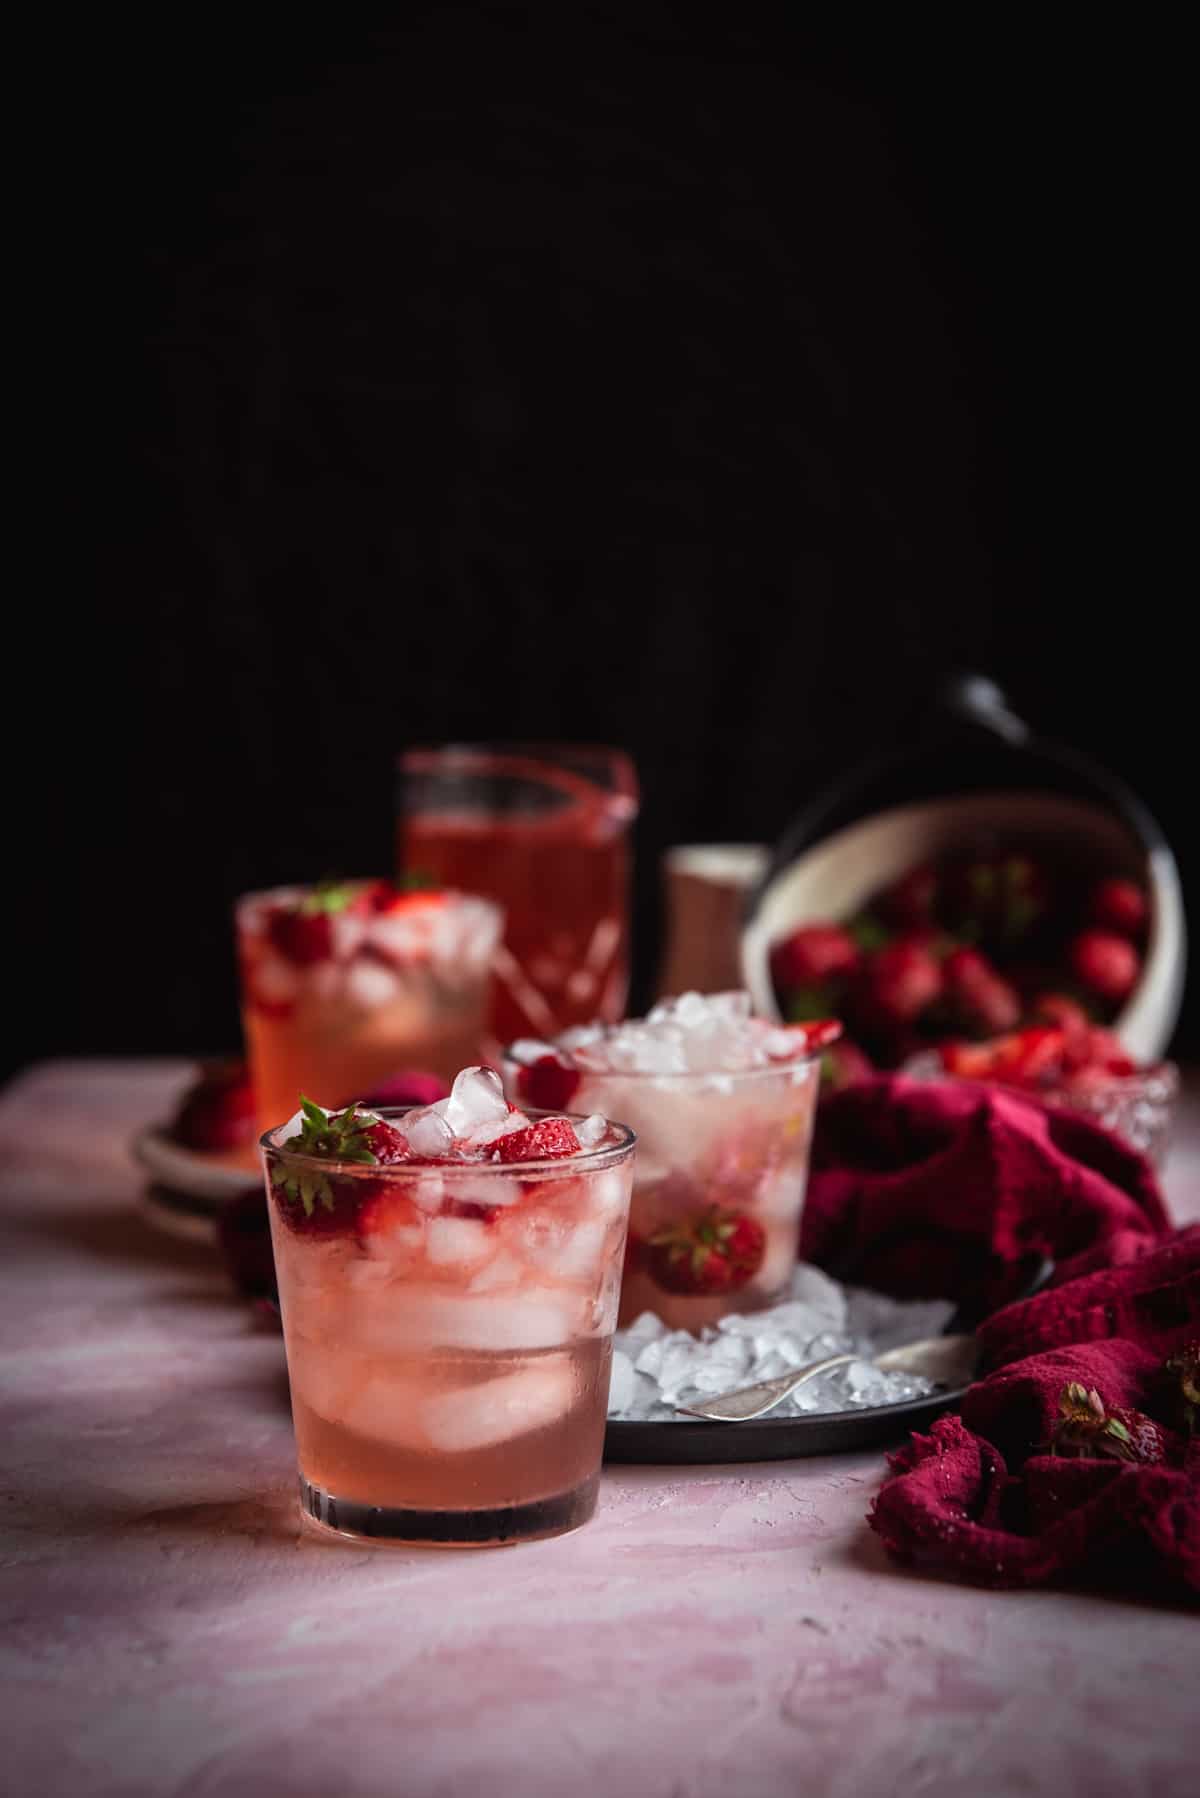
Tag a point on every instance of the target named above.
point(949, 1360)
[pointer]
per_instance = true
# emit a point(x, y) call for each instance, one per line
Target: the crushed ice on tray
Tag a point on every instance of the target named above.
point(654, 1367)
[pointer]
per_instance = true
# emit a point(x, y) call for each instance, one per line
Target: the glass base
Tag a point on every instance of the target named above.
point(351, 1521)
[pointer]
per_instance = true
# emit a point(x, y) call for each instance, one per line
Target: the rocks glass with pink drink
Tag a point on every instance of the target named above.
point(448, 1279)
point(723, 1107)
point(346, 982)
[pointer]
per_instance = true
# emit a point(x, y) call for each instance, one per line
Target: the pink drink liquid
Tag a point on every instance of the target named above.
point(546, 838)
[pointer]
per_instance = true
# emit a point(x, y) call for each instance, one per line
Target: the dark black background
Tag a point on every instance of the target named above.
point(586, 373)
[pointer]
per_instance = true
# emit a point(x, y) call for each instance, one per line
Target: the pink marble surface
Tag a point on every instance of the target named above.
point(713, 1634)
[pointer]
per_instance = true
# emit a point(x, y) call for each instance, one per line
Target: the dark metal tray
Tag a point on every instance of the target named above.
point(788, 1438)
point(772, 1438)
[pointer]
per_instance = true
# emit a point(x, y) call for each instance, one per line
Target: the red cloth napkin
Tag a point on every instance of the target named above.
point(950, 1189)
point(931, 1189)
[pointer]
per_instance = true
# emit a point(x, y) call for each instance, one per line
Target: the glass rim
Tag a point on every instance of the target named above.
point(691, 1076)
point(531, 760)
point(562, 1166)
point(456, 896)
point(926, 1066)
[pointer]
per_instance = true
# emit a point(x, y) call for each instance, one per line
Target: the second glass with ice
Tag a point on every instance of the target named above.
point(723, 1106)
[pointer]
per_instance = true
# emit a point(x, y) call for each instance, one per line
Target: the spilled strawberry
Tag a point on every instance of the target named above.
point(218, 1112)
point(1087, 1429)
point(712, 1251)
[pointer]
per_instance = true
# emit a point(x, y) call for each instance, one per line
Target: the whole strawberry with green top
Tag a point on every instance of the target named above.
point(709, 1252)
point(318, 1203)
point(1086, 1428)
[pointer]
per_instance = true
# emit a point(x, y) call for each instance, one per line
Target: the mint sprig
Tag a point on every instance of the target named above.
point(340, 1137)
point(327, 898)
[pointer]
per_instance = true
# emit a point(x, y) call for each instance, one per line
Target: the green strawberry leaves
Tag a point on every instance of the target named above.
point(327, 898)
point(339, 1137)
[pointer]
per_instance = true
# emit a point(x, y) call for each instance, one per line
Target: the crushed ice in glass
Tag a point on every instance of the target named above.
point(696, 1033)
point(653, 1367)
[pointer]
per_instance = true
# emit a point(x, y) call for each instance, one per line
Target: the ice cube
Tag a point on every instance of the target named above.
point(433, 1319)
point(458, 1241)
point(644, 1328)
point(348, 931)
point(293, 1127)
point(818, 1290)
point(779, 1257)
point(428, 1133)
point(621, 1383)
point(321, 1376)
point(527, 1050)
point(514, 1404)
point(427, 1192)
point(476, 1098)
point(579, 1036)
point(484, 1189)
point(567, 1251)
point(487, 1134)
point(394, 1247)
point(592, 1130)
point(502, 1270)
point(369, 984)
point(384, 1406)
point(729, 1005)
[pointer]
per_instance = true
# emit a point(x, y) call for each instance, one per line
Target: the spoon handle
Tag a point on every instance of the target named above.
point(757, 1400)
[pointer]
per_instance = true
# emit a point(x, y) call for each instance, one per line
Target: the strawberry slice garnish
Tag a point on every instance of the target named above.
point(543, 1141)
point(811, 1038)
point(385, 1142)
point(1031, 1058)
point(711, 1251)
point(968, 1061)
point(548, 1084)
point(1086, 1428)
